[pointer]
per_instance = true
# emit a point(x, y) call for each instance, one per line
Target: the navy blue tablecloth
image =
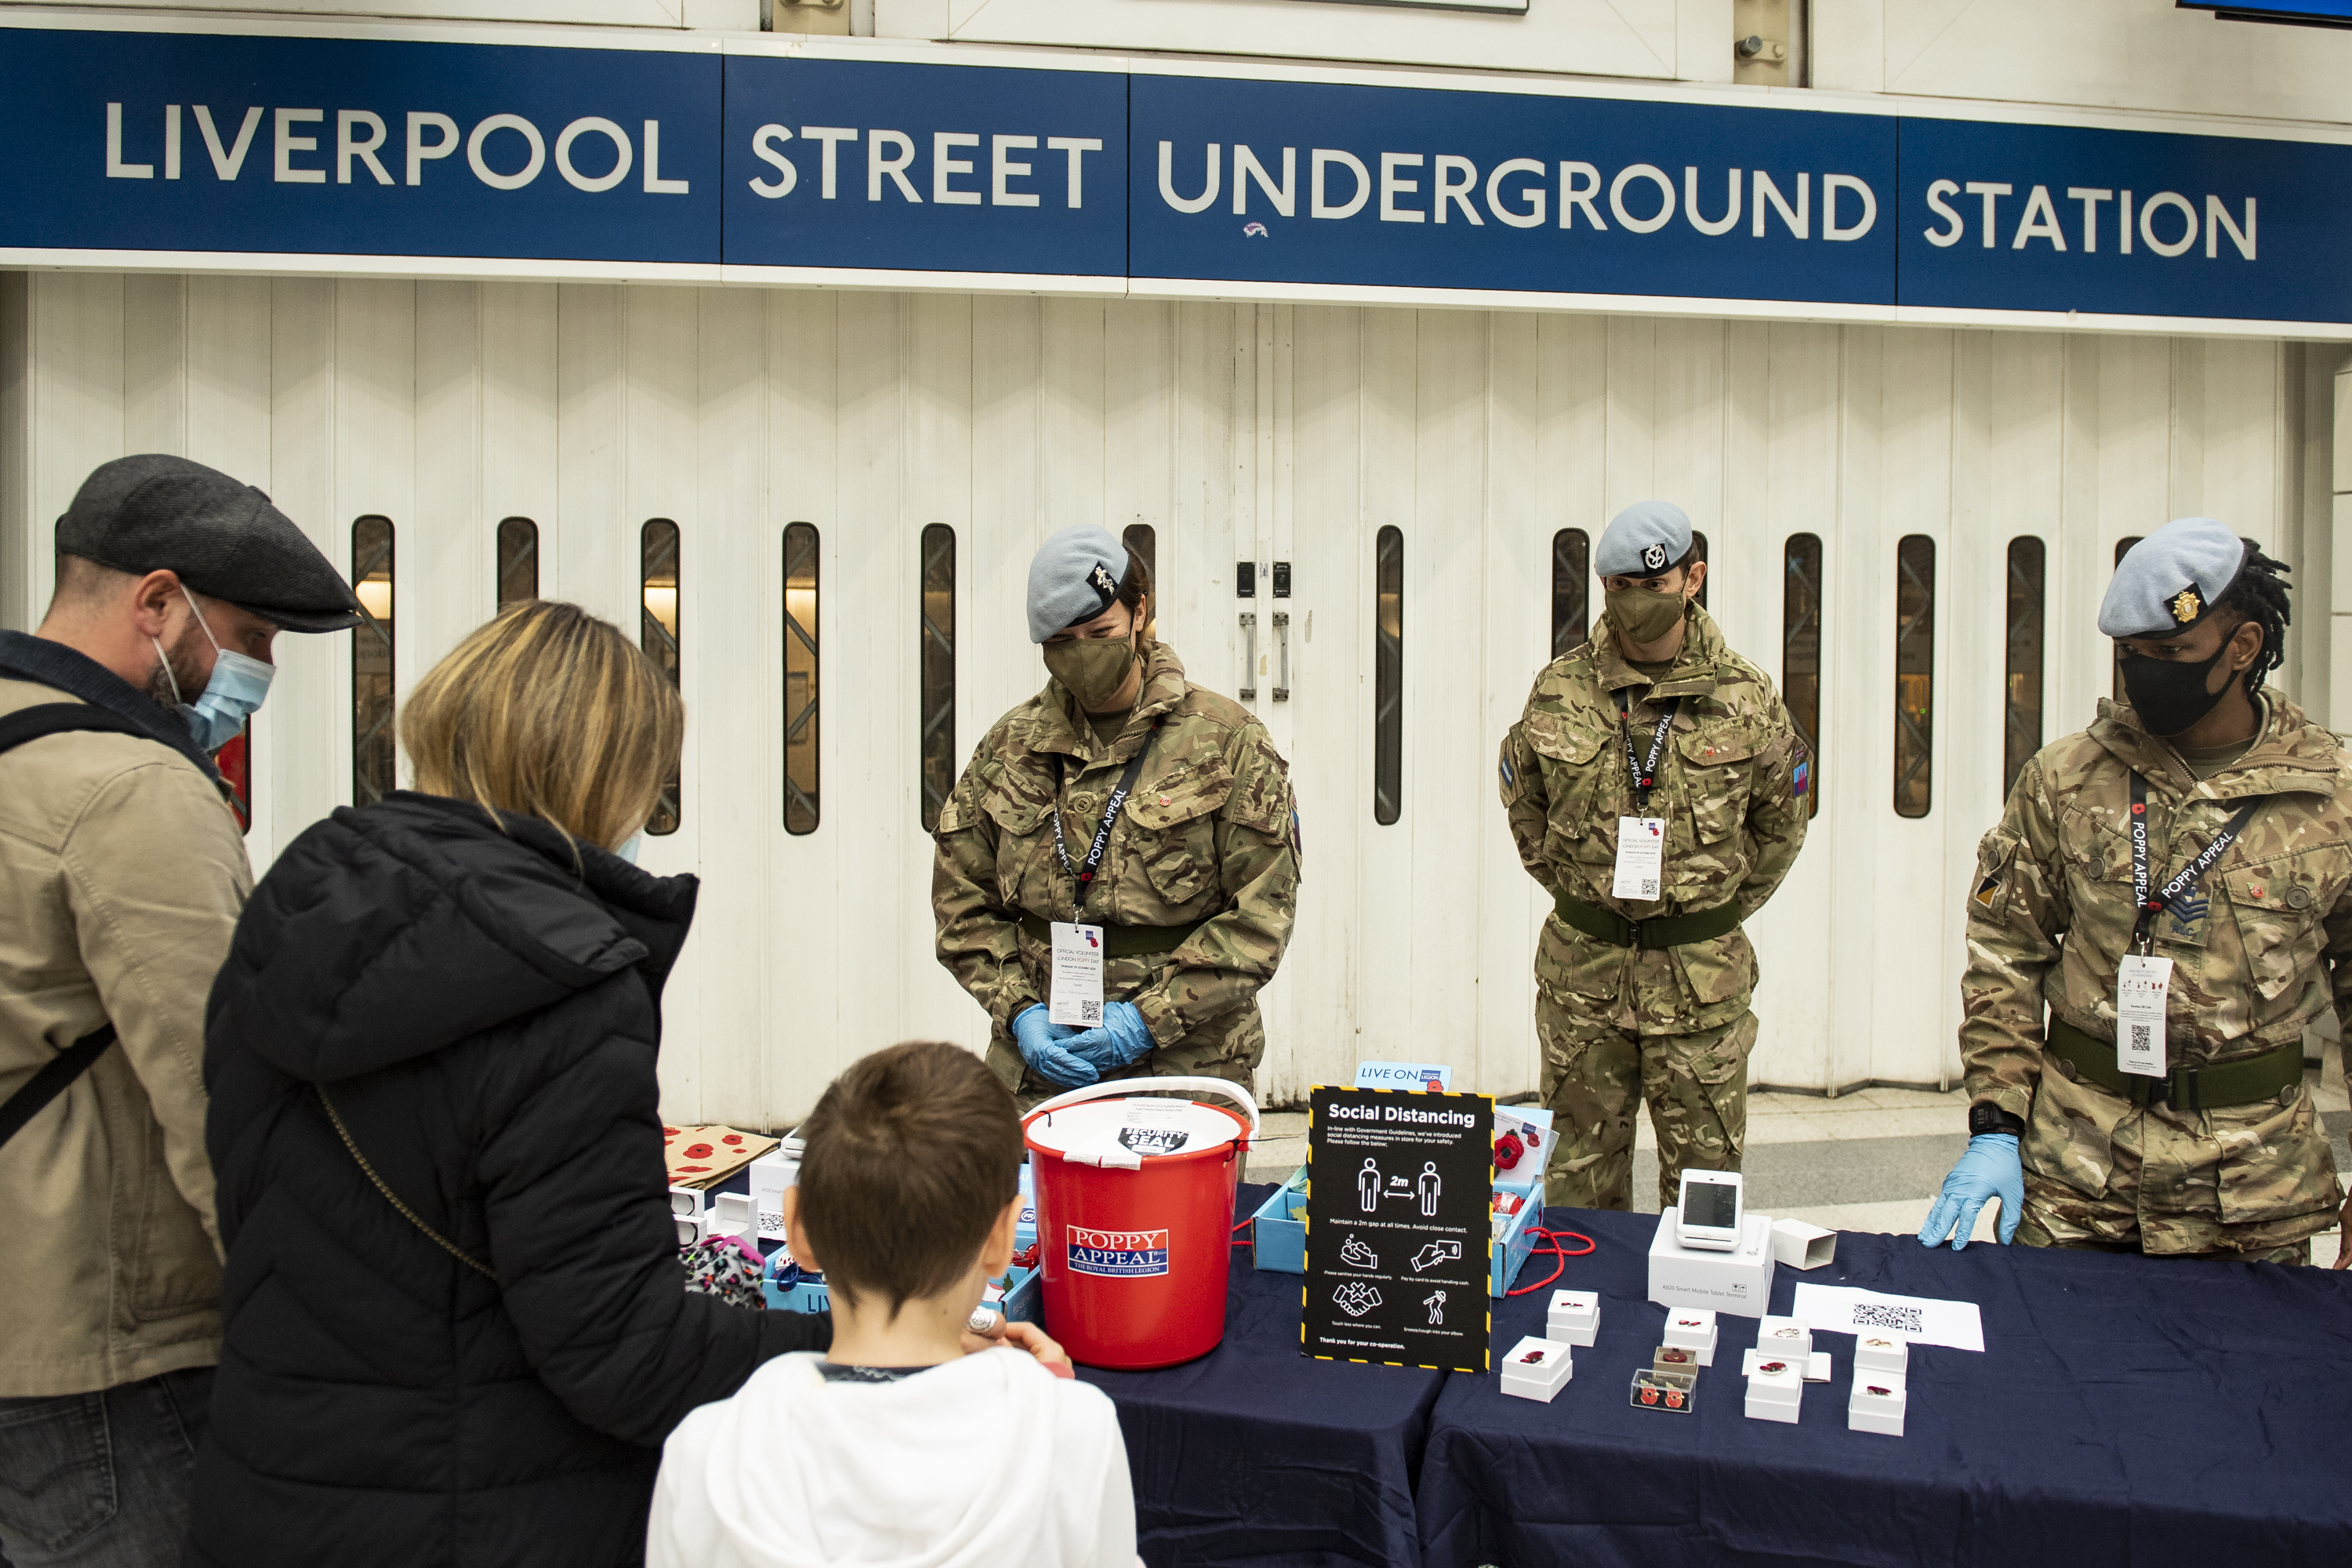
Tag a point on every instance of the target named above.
point(1256, 1454)
point(2124, 1412)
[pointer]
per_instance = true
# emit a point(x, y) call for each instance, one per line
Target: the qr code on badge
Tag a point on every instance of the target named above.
point(1089, 1011)
point(1902, 1319)
point(2140, 1040)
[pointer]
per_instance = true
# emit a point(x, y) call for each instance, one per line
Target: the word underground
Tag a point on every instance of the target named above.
point(890, 154)
point(1519, 192)
point(1404, 1113)
point(2040, 219)
point(360, 137)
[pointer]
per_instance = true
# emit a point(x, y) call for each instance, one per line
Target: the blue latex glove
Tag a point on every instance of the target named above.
point(1122, 1038)
point(1040, 1041)
point(1988, 1169)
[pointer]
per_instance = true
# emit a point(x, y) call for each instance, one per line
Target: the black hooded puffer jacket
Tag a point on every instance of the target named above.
point(484, 1016)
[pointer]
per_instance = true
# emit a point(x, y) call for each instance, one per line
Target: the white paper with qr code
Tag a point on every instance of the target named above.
point(2141, 986)
point(1077, 975)
point(1922, 1320)
point(1640, 856)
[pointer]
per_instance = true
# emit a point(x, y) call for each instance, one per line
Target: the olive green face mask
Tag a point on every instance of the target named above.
point(1643, 615)
point(1091, 670)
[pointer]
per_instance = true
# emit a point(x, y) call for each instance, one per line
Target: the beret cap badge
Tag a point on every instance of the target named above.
point(2186, 606)
point(1105, 583)
point(1653, 556)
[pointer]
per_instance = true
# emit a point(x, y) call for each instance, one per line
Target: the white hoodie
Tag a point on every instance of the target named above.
point(979, 1463)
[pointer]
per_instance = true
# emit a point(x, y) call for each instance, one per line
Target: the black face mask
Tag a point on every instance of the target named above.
point(2171, 696)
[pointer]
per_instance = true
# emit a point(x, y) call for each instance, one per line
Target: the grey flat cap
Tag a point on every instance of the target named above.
point(1073, 577)
point(153, 513)
point(2171, 580)
point(1642, 540)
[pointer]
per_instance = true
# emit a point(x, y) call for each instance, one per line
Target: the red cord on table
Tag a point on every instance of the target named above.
point(1554, 1237)
point(1239, 1239)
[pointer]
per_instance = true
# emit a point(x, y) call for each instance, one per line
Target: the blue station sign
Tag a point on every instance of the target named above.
point(740, 159)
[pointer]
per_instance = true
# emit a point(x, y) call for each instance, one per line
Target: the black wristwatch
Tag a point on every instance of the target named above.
point(1984, 1116)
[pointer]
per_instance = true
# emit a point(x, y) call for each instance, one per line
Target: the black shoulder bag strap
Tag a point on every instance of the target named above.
point(58, 1073)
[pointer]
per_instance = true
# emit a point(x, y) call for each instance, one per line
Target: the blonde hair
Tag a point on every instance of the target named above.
point(548, 711)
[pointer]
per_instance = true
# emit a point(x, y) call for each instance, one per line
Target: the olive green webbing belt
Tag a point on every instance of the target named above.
point(1122, 941)
point(2184, 1089)
point(1650, 935)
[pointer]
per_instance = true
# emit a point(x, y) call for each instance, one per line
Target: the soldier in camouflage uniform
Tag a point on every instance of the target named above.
point(2223, 1155)
point(1198, 883)
point(1647, 998)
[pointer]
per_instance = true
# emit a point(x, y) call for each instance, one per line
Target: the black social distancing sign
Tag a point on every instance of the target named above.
point(1399, 1189)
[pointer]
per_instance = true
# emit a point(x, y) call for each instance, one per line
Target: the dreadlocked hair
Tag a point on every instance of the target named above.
point(2260, 595)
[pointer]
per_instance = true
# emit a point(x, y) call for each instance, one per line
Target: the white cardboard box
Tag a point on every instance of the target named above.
point(1536, 1369)
point(1692, 1328)
point(1770, 1410)
point(1802, 1246)
point(1818, 1367)
point(1881, 1354)
point(1785, 1336)
point(771, 1172)
point(1574, 1318)
point(1738, 1282)
point(1877, 1404)
point(732, 1213)
point(1785, 1386)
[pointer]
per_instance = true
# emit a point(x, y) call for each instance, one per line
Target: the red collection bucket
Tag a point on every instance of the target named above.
point(1135, 1217)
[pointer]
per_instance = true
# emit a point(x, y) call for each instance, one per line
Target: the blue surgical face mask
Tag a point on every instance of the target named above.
point(631, 845)
point(237, 688)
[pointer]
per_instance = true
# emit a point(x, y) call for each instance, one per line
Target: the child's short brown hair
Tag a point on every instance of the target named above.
point(910, 1156)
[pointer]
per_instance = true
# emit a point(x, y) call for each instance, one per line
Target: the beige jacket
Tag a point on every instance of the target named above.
point(121, 874)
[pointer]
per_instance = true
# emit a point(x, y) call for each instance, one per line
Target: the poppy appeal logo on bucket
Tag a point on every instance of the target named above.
point(1124, 1254)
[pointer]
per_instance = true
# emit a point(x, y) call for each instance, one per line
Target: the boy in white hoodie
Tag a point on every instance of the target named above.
point(899, 1447)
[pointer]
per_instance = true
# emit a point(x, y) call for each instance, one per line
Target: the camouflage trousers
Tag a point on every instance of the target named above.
point(2033, 1235)
point(2246, 1182)
point(1229, 1047)
point(1595, 1077)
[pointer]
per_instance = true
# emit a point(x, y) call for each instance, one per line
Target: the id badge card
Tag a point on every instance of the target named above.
point(1640, 856)
point(2141, 986)
point(1078, 997)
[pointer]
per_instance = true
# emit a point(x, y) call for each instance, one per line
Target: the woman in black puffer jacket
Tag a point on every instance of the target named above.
point(470, 980)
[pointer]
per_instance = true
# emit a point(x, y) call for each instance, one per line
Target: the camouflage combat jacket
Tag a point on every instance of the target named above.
point(1207, 836)
point(2258, 951)
point(1731, 787)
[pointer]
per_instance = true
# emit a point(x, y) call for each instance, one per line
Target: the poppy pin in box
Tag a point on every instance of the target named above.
point(1663, 1388)
point(1536, 1369)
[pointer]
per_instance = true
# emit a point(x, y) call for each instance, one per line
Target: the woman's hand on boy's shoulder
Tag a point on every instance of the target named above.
point(1023, 1337)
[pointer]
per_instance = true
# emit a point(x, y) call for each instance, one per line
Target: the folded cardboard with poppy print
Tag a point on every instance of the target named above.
point(705, 1156)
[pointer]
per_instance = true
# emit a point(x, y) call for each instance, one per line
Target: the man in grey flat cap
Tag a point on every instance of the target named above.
point(1127, 800)
point(2174, 884)
point(126, 874)
point(1658, 793)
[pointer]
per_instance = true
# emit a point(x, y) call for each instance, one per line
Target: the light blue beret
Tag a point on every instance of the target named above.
point(1073, 577)
point(1642, 540)
point(2168, 581)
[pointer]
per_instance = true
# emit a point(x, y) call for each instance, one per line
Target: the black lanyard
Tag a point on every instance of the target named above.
point(1085, 872)
point(2151, 904)
point(1646, 773)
